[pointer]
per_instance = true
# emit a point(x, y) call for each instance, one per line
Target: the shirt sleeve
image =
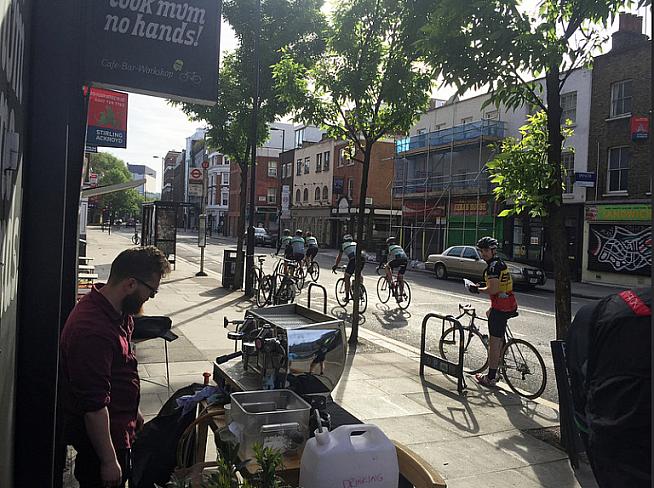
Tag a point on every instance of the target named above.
point(89, 361)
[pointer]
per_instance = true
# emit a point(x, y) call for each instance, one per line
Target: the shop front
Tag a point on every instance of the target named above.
point(314, 220)
point(618, 244)
point(471, 218)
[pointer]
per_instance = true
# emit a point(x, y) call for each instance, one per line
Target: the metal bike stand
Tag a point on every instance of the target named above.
point(324, 296)
point(438, 363)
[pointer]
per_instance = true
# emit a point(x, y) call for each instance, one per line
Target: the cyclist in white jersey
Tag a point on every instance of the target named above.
point(397, 258)
point(312, 248)
point(349, 248)
point(297, 244)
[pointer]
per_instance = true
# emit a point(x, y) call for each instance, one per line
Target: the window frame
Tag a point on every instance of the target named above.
point(325, 193)
point(305, 195)
point(573, 109)
point(298, 196)
point(350, 188)
point(307, 165)
point(272, 165)
point(620, 100)
point(319, 162)
point(317, 192)
point(298, 169)
point(620, 169)
point(325, 161)
point(272, 194)
point(224, 179)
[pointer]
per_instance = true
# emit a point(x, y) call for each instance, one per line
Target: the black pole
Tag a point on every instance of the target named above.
point(249, 254)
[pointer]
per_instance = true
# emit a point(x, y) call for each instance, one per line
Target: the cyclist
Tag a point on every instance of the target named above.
point(396, 259)
point(349, 248)
point(312, 248)
point(499, 286)
point(284, 242)
point(297, 246)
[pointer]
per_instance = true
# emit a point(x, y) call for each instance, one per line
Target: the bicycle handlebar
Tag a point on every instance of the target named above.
point(467, 309)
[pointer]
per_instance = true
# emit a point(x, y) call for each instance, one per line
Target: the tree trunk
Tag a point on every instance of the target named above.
point(354, 334)
point(240, 229)
point(557, 237)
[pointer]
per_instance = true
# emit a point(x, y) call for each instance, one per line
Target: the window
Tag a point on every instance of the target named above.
point(350, 188)
point(325, 193)
point(299, 137)
point(297, 196)
point(225, 179)
point(316, 196)
point(569, 107)
point(455, 251)
point(325, 161)
point(439, 127)
point(422, 131)
point(224, 198)
point(618, 173)
point(298, 170)
point(272, 195)
point(492, 115)
point(568, 162)
point(470, 253)
point(318, 162)
point(226, 161)
point(306, 195)
point(621, 98)
point(466, 120)
point(307, 163)
point(272, 168)
point(341, 156)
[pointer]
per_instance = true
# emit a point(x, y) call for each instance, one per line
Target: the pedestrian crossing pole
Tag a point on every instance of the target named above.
point(202, 227)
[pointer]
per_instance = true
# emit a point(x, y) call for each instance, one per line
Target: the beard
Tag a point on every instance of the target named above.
point(132, 304)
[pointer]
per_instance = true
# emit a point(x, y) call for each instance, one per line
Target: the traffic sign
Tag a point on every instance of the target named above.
point(205, 164)
point(196, 173)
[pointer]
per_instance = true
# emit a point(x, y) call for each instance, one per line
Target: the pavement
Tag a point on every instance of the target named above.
point(484, 438)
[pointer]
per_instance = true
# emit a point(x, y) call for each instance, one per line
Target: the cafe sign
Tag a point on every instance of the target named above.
point(619, 213)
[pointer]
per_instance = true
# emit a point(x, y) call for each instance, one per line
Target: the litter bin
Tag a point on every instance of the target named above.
point(229, 267)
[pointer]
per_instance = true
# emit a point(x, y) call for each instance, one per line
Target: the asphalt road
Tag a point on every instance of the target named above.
point(536, 322)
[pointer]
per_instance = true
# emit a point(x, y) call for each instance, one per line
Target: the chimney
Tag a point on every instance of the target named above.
point(629, 33)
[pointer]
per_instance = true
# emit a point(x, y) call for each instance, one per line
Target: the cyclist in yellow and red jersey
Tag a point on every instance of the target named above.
point(499, 286)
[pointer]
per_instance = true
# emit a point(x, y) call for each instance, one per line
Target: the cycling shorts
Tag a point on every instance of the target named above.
point(399, 263)
point(312, 252)
point(497, 322)
point(298, 256)
point(350, 266)
point(288, 252)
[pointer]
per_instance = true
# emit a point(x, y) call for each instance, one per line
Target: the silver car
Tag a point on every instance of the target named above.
point(465, 261)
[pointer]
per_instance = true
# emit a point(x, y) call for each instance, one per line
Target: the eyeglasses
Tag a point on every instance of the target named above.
point(153, 291)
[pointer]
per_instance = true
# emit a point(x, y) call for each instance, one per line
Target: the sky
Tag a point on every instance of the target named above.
point(154, 127)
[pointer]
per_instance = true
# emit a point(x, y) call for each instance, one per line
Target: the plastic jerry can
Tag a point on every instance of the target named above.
point(350, 456)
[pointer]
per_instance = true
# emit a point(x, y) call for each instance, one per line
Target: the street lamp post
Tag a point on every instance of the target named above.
point(279, 175)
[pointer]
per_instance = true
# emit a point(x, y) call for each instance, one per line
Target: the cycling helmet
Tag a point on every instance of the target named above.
point(287, 232)
point(308, 234)
point(390, 240)
point(347, 237)
point(487, 243)
point(298, 232)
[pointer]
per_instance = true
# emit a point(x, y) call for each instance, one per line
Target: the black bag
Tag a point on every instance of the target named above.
point(618, 390)
point(155, 448)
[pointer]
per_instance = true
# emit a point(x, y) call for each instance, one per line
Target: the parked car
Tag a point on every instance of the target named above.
point(465, 261)
point(261, 237)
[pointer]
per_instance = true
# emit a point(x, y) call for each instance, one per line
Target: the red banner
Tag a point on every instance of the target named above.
point(107, 118)
point(639, 128)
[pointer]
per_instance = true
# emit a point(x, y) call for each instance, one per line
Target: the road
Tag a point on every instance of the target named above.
point(535, 324)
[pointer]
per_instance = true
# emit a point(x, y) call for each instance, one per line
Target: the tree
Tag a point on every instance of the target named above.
point(111, 171)
point(496, 44)
point(291, 24)
point(366, 86)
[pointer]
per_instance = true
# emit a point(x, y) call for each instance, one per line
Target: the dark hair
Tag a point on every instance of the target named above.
point(139, 262)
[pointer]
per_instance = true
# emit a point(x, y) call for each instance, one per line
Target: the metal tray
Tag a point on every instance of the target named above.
point(294, 316)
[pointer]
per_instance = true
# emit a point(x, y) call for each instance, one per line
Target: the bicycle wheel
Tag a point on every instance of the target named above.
point(340, 292)
point(406, 296)
point(523, 369)
point(475, 353)
point(256, 279)
point(300, 275)
point(383, 290)
point(135, 239)
point(264, 291)
point(314, 271)
point(363, 299)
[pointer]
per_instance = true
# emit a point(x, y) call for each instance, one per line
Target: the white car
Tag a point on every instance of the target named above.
point(465, 262)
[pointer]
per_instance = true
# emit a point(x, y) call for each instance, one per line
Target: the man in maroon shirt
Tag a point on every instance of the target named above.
point(99, 378)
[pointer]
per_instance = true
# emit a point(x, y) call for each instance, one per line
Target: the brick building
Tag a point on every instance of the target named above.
point(618, 210)
point(168, 175)
point(382, 210)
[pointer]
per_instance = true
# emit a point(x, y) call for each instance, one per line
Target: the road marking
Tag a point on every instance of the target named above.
point(535, 296)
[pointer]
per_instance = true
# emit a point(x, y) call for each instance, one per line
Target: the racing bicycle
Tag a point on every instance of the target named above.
point(342, 298)
point(386, 288)
point(521, 365)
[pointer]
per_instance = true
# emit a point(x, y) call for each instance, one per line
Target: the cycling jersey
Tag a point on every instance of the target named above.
point(349, 248)
point(285, 241)
point(504, 300)
point(396, 252)
point(298, 245)
point(312, 242)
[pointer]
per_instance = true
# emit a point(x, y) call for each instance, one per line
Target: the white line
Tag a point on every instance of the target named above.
point(535, 296)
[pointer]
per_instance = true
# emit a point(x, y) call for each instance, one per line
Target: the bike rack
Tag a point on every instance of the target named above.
point(438, 363)
point(324, 296)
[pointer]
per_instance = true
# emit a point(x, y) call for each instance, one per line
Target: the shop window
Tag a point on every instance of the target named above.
point(621, 98)
point(618, 171)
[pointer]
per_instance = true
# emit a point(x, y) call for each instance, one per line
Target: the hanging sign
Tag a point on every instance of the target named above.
point(106, 122)
point(639, 128)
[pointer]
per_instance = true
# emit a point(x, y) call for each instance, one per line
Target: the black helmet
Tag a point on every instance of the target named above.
point(298, 232)
point(487, 243)
point(287, 232)
point(308, 233)
point(347, 237)
point(390, 240)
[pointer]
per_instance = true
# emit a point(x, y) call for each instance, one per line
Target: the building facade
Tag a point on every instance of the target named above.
point(618, 211)
point(169, 162)
point(217, 192)
point(142, 171)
